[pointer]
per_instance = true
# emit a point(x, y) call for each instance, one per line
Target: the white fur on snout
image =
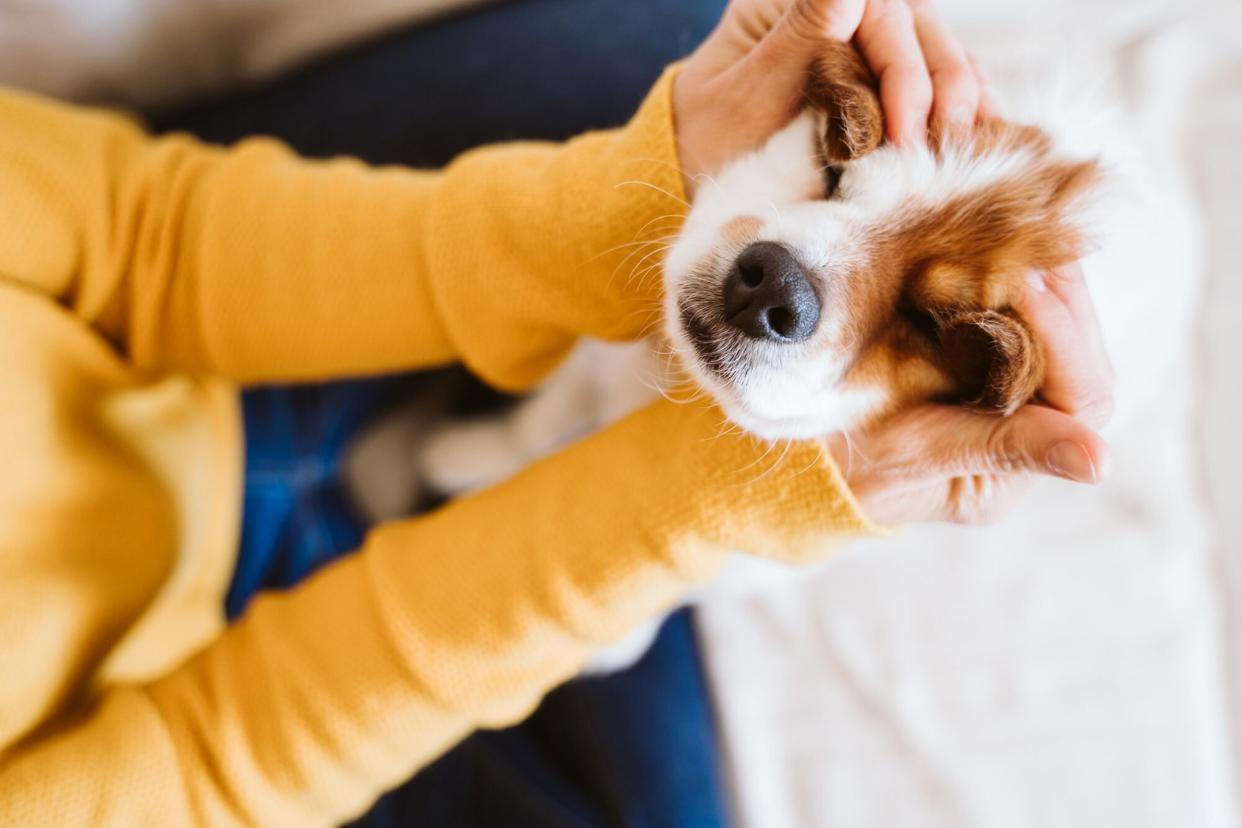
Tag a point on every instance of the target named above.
point(776, 391)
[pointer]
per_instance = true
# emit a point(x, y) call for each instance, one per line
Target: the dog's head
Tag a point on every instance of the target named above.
point(827, 280)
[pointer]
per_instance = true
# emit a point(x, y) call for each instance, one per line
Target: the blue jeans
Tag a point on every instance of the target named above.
point(637, 748)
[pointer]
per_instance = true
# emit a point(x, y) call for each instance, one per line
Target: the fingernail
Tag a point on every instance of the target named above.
point(1071, 461)
point(1035, 281)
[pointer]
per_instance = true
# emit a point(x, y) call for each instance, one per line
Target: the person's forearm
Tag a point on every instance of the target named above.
point(322, 697)
point(256, 265)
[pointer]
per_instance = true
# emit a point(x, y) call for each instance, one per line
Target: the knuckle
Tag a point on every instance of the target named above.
point(815, 20)
point(1004, 451)
point(1099, 409)
point(808, 19)
point(1089, 396)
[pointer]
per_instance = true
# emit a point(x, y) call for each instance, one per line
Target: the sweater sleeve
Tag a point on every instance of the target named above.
point(255, 265)
point(322, 697)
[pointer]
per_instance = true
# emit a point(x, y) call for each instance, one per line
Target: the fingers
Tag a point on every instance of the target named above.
point(955, 83)
point(939, 462)
point(922, 70)
point(786, 36)
point(789, 35)
point(890, 43)
point(936, 442)
point(813, 21)
point(1042, 441)
point(1079, 374)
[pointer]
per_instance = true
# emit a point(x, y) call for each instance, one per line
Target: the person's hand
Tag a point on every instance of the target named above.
point(746, 80)
point(944, 463)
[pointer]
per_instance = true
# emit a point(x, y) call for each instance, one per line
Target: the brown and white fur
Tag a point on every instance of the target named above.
point(916, 257)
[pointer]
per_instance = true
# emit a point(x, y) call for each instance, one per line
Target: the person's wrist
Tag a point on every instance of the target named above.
point(788, 502)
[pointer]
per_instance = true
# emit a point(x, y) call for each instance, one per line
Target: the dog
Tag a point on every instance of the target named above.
point(818, 285)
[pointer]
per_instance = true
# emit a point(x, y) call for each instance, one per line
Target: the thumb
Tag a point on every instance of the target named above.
point(806, 24)
point(776, 69)
point(1035, 439)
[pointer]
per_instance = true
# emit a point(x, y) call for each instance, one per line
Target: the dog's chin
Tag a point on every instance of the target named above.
point(830, 417)
point(824, 414)
point(724, 391)
point(765, 409)
point(766, 428)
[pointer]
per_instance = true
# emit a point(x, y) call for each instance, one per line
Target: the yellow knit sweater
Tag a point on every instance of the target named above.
point(138, 278)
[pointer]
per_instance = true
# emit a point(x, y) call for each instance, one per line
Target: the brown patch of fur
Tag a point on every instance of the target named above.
point(902, 362)
point(842, 87)
point(975, 250)
point(993, 136)
point(933, 311)
point(740, 231)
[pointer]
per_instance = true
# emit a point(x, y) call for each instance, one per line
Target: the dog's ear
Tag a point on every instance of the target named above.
point(992, 357)
point(842, 88)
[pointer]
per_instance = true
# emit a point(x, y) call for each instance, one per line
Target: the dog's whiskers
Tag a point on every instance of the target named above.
point(788, 444)
point(709, 179)
point(770, 447)
point(637, 242)
point(659, 245)
point(821, 453)
point(780, 220)
point(657, 188)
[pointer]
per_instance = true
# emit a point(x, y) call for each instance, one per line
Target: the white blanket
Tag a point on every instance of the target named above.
point(1077, 665)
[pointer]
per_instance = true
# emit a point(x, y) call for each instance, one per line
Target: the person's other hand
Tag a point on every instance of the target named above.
point(746, 80)
point(945, 463)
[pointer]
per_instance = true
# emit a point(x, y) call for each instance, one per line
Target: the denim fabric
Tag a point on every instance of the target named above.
point(637, 748)
point(522, 69)
point(295, 517)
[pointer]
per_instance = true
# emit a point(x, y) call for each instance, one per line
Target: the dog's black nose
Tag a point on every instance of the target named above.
point(767, 295)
